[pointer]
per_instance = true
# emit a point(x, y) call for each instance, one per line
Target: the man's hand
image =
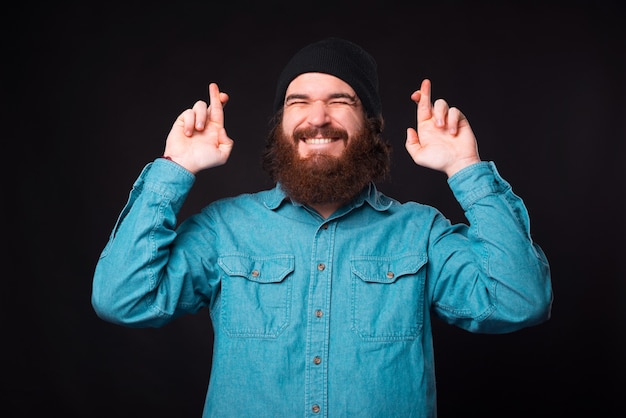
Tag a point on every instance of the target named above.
point(443, 140)
point(198, 140)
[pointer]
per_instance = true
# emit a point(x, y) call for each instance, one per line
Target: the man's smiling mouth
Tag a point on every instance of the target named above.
point(315, 141)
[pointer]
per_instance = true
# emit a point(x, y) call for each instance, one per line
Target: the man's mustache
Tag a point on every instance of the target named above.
point(324, 132)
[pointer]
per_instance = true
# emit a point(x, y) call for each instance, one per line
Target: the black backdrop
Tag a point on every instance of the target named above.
point(91, 90)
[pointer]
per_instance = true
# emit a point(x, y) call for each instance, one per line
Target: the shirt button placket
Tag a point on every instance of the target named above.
point(317, 340)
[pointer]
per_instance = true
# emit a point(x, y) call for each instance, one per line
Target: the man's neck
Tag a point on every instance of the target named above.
point(326, 209)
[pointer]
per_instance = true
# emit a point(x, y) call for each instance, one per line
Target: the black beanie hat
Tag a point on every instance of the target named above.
point(340, 58)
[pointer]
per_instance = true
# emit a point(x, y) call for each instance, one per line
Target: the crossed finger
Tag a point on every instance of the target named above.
point(424, 107)
point(216, 106)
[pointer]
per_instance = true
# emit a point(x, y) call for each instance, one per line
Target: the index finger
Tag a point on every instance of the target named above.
point(424, 107)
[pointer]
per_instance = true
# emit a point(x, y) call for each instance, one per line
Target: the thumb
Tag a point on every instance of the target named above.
point(412, 139)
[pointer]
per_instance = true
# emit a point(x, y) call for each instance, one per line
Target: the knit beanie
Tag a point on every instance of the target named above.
point(338, 57)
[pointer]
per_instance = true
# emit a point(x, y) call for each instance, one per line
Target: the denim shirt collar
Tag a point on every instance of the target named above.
point(273, 198)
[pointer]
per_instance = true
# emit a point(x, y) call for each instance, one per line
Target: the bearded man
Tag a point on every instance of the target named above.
point(322, 289)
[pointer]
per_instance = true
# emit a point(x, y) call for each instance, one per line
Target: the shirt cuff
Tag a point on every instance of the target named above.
point(166, 178)
point(476, 182)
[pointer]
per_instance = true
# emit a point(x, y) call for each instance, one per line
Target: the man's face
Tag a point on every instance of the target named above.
point(321, 114)
point(324, 149)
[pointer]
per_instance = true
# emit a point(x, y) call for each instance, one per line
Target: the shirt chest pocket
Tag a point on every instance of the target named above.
point(256, 295)
point(388, 297)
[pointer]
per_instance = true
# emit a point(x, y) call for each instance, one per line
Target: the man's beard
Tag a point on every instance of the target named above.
point(321, 178)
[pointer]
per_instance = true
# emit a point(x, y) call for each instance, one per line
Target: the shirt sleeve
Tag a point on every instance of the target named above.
point(491, 276)
point(141, 279)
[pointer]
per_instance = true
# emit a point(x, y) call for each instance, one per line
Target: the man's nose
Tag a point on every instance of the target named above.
point(318, 114)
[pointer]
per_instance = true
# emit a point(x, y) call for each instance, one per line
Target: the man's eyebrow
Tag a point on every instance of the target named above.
point(295, 97)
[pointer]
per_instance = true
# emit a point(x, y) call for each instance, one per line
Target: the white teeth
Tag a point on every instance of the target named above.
point(318, 140)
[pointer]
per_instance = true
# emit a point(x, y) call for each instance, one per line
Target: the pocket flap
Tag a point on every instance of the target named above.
point(386, 269)
point(271, 269)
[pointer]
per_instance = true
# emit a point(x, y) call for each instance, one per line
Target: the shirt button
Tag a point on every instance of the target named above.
point(319, 313)
point(325, 226)
point(321, 266)
point(390, 274)
point(315, 408)
point(317, 360)
point(255, 273)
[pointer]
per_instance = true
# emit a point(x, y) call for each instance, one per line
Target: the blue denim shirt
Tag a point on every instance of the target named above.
point(322, 317)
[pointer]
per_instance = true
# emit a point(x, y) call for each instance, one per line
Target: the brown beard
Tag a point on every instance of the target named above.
point(322, 178)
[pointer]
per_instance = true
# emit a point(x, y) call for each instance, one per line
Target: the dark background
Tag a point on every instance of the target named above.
point(90, 91)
